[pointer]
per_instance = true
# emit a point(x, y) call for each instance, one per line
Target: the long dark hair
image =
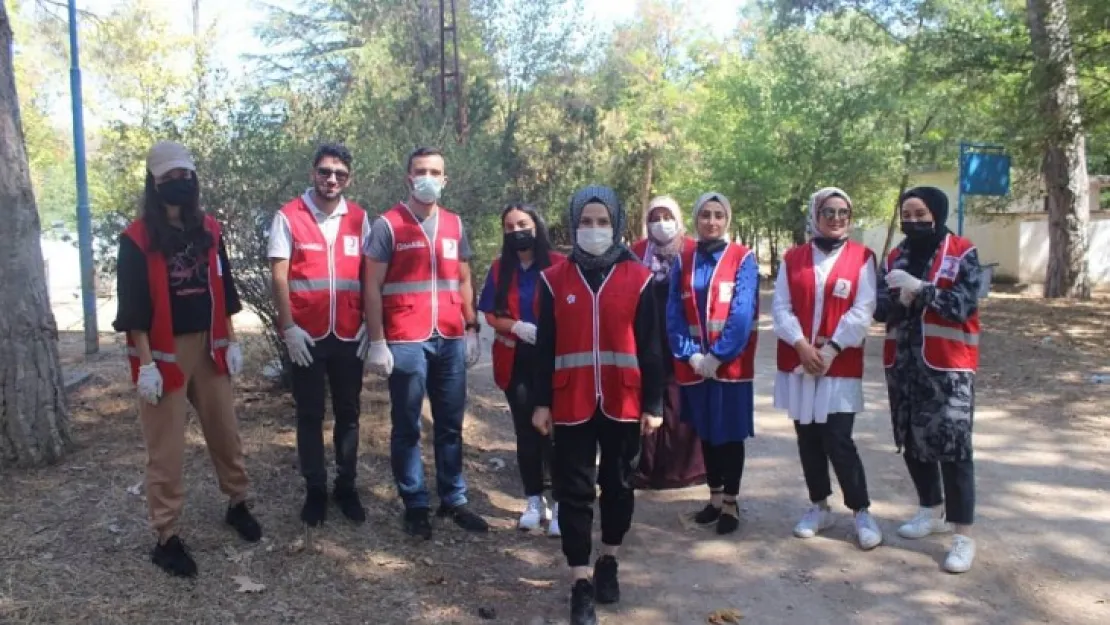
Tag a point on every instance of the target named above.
point(541, 256)
point(166, 238)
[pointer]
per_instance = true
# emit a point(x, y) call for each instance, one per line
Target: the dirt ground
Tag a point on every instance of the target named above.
point(74, 546)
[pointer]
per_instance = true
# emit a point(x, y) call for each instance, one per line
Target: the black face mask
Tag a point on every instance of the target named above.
point(918, 230)
point(520, 240)
point(178, 192)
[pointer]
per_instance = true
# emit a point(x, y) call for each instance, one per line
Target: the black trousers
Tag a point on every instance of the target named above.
point(958, 481)
point(822, 444)
point(533, 450)
point(724, 466)
point(335, 364)
point(576, 472)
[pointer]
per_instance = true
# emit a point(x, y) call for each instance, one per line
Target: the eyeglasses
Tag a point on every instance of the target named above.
point(340, 175)
point(836, 213)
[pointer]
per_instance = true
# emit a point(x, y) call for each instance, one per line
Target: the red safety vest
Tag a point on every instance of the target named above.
point(948, 345)
point(420, 294)
point(325, 291)
point(719, 300)
point(162, 346)
point(841, 286)
point(595, 353)
point(503, 350)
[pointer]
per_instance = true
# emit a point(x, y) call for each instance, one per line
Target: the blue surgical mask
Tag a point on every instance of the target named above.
point(427, 189)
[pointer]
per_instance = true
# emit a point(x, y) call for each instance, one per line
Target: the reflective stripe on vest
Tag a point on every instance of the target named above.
point(301, 286)
point(950, 334)
point(423, 286)
point(586, 359)
point(162, 356)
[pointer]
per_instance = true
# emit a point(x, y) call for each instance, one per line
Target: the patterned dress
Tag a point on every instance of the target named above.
point(931, 412)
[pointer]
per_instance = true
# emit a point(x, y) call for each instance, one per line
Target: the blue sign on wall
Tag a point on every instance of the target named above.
point(985, 174)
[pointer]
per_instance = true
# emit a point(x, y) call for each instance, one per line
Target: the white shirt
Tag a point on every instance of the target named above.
point(281, 236)
point(805, 398)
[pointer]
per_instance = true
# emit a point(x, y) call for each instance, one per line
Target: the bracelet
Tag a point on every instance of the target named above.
point(836, 346)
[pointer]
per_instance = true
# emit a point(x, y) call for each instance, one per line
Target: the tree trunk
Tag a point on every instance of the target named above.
point(34, 421)
point(636, 221)
point(1064, 162)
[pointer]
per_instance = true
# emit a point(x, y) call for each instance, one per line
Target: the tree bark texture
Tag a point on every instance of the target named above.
point(34, 421)
point(1064, 160)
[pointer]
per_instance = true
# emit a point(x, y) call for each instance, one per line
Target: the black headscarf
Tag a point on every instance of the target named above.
point(921, 250)
point(616, 251)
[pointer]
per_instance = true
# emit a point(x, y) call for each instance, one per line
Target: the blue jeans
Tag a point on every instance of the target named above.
point(436, 367)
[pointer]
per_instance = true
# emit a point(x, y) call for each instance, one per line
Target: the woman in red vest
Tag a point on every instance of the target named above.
point(599, 383)
point(671, 456)
point(509, 302)
point(175, 301)
point(824, 299)
point(929, 299)
point(712, 314)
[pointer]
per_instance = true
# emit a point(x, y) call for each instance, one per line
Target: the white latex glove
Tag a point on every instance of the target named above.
point(906, 297)
point(695, 362)
point(899, 279)
point(525, 331)
point(473, 348)
point(298, 342)
point(708, 366)
point(379, 358)
point(828, 354)
point(234, 358)
point(149, 383)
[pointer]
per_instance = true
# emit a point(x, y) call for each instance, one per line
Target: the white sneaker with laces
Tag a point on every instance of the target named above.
point(553, 525)
point(868, 533)
point(927, 521)
point(814, 521)
point(534, 513)
point(961, 556)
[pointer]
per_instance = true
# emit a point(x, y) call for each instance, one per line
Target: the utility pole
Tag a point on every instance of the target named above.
point(84, 218)
point(461, 125)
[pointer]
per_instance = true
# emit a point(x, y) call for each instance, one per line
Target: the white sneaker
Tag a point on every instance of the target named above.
point(534, 513)
point(961, 555)
point(813, 521)
point(553, 525)
point(868, 533)
point(926, 521)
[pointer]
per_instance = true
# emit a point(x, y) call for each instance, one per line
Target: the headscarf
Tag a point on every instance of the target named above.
point(920, 251)
point(816, 202)
point(659, 258)
point(608, 197)
point(715, 245)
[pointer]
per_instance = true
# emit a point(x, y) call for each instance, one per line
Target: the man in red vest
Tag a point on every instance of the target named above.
point(423, 329)
point(316, 259)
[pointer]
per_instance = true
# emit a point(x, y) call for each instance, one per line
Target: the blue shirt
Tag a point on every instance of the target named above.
point(526, 291)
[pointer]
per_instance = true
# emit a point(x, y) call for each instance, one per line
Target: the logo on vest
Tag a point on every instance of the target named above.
point(411, 245)
point(842, 288)
point(570, 299)
point(725, 294)
point(450, 249)
point(949, 268)
point(310, 247)
point(350, 245)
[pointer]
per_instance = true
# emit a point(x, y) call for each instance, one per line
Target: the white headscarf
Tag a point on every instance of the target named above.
point(660, 257)
point(720, 198)
point(818, 199)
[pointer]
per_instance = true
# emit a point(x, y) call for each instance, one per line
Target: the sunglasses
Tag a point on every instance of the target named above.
point(340, 175)
point(836, 213)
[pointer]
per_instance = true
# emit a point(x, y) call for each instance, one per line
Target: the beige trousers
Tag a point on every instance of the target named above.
point(164, 434)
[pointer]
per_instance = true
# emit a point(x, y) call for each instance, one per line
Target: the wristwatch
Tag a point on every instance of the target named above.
point(835, 346)
point(473, 325)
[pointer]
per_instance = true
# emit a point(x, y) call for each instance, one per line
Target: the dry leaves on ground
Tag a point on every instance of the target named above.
point(720, 617)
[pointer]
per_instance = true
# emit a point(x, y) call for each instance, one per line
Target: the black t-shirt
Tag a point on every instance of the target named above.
point(190, 299)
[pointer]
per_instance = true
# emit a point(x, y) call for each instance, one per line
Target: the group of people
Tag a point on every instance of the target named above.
point(645, 353)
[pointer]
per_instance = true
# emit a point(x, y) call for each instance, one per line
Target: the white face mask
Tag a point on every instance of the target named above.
point(663, 231)
point(427, 189)
point(595, 241)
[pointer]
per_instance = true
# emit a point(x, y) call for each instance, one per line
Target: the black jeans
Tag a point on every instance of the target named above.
point(533, 450)
point(335, 364)
point(822, 444)
point(958, 480)
point(576, 472)
point(724, 466)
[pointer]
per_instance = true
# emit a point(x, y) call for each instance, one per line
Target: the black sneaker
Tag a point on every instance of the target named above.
point(349, 503)
point(606, 587)
point(315, 510)
point(582, 604)
point(417, 523)
point(173, 557)
point(239, 516)
point(464, 518)
point(707, 515)
point(730, 519)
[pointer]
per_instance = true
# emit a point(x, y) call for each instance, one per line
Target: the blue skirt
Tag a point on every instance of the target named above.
point(720, 412)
